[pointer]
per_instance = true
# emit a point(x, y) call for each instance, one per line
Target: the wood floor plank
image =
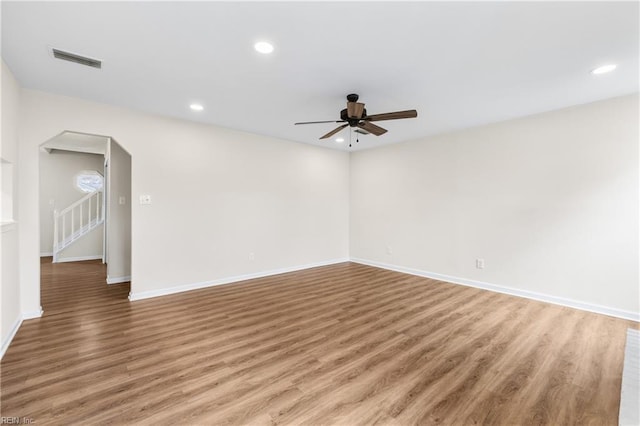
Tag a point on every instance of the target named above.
point(344, 344)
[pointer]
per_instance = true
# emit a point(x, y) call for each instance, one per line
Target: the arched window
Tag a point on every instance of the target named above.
point(89, 181)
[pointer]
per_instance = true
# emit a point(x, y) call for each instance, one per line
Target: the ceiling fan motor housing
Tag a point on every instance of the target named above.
point(352, 121)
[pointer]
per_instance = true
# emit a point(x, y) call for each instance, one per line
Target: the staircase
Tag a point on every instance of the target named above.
point(77, 220)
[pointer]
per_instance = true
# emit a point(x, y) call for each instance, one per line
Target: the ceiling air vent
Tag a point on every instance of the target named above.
point(72, 57)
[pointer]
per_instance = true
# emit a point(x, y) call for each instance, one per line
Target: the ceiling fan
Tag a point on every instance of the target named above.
point(355, 115)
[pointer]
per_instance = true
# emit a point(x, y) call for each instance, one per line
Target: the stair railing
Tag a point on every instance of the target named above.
point(76, 220)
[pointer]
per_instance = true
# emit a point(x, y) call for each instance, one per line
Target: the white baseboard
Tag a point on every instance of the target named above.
point(118, 280)
point(79, 258)
point(590, 307)
point(32, 314)
point(194, 286)
point(14, 329)
point(47, 254)
point(7, 341)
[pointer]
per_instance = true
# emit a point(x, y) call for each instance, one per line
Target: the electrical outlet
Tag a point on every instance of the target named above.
point(480, 263)
point(121, 200)
point(145, 199)
point(252, 256)
point(389, 250)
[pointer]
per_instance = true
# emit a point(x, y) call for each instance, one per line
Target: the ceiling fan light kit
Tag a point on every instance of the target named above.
point(355, 115)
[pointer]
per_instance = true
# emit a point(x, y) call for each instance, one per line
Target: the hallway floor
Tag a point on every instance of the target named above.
point(77, 287)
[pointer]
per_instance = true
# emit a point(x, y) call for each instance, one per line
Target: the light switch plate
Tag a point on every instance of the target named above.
point(145, 199)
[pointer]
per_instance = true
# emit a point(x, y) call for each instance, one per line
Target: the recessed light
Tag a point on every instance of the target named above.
point(340, 140)
point(604, 69)
point(263, 47)
point(196, 107)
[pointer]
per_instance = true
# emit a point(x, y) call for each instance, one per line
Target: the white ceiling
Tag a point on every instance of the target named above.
point(459, 64)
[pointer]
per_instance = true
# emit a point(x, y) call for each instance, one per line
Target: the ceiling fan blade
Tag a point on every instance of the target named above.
point(371, 128)
point(411, 113)
point(318, 122)
point(334, 131)
point(355, 109)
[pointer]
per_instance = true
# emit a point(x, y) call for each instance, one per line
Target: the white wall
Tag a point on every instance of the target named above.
point(549, 201)
point(10, 315)
point(119, 215)
point(217, 195)
point(57, 191)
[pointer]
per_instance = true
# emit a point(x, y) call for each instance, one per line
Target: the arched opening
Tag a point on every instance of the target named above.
point(85, 220)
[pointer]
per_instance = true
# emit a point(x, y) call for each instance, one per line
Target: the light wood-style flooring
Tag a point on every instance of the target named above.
point(344, 344)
